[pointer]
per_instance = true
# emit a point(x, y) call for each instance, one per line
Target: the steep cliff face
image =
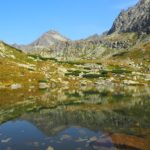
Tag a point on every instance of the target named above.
point(135, 19)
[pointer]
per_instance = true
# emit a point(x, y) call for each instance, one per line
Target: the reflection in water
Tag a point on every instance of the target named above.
point(29, 137)
point(91, 119)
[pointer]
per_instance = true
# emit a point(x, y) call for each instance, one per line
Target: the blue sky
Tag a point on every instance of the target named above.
point(22, 21)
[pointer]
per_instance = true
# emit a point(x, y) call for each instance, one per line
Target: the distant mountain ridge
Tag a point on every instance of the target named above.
point(48, 39)
point(126, 32)
point(114, 59)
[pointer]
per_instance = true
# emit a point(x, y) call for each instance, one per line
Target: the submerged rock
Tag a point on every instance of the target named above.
point(128, 141)
point(6, 140)
point(43, 85)
point(130, 82)
point(94, 138)
point(65, 137)
point(16, 86)
point(50, 148)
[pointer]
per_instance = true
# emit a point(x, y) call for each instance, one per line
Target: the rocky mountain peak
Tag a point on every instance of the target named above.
point(135, 19)
point(50, 32)
point(49, 38)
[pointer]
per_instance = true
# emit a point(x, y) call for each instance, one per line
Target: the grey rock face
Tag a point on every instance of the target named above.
point(49, 38)
point(85, 49)
point(45, 41)
point(135, 19)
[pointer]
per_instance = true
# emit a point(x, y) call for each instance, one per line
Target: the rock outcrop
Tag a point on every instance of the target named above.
point(135, 19)
point(123, 35)
point(48, 39)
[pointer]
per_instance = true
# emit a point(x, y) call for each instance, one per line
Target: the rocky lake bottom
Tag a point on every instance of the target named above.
point(85, 119)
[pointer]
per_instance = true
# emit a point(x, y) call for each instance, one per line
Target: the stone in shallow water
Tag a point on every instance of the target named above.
point(130, 82)
point(94, 138)
point(50, 148)
point(36, 144)
point(16, 86)
point(81, 140)
point(6, 140)
point(43, 85)
point(8, 148)
point(65, 137)
point(79, 149)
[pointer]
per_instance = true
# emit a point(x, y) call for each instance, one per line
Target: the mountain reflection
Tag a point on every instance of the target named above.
point(82, 129)
point(87, 119)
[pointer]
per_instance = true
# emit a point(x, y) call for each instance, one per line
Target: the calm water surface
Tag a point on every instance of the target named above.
point(87, 119)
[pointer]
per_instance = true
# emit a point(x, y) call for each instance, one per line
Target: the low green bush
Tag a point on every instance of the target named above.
point(120, 71)
point(91, 76)
point(43, 81)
